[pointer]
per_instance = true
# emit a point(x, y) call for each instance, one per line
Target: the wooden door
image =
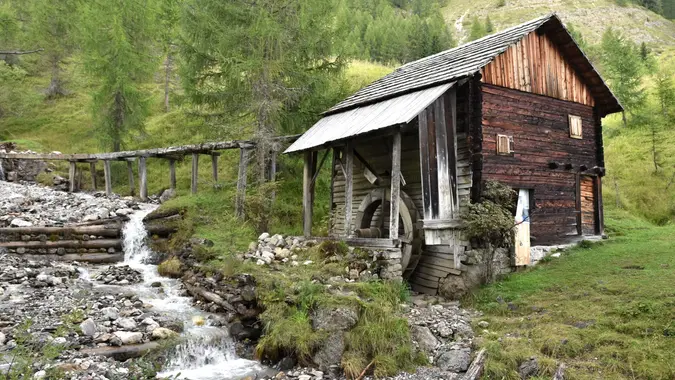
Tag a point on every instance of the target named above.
point(588, 205)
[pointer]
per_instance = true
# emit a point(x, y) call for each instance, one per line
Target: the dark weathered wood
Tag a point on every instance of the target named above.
point(122, 353)
point(71, 176)
point(373, 243)
point(600, 221)
point(349, 186)
point(143, 178)
point(195, 172)
point(200, 292)
point(307, 196)
point(578, 203)
point(130, 174)
point(156, 152)
point(111, 230)
point(395, 185)
point(424, 163)
point(91, 258)
point(89, 244)
point(241, 183)
point(318, 167)
point(107, 177)
point(367, 165)
point(92, 172)
point(451, 126)
point(214, 166)
point(172, 173)
point(444, 192)
point(476, 368)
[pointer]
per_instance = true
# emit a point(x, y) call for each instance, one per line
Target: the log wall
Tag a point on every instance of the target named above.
point(535, 64)
point(540, 129)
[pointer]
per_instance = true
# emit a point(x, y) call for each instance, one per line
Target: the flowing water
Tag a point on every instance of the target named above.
point(206, 352)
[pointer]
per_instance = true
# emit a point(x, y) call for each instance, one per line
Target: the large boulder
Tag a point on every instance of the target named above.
point(424, 338)
point(339, 319)
point(88, 327)
point(128, 337)
point(456, 359)
point(331, 350)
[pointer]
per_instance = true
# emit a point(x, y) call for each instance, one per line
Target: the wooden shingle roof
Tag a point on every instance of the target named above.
point(468, 59)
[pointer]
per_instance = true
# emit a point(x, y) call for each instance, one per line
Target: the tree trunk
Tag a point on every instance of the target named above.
point(55, 89)
point(654, 154)
point(623, 118)
point(168, 66)
point(118, 120)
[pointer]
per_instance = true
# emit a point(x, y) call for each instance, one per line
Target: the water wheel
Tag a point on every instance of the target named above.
point(372, 220)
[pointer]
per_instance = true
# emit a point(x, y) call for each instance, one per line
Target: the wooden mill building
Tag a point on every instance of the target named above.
point(522, 107)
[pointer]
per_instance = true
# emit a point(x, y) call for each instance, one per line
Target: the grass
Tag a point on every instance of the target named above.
point(607, 311)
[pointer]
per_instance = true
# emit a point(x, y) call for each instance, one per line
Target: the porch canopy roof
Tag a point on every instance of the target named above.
point(356, 121)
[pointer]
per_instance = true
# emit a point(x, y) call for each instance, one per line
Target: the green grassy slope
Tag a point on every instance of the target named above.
point(607, 311)
point(590, 17)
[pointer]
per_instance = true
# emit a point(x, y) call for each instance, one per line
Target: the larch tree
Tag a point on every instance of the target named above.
point(169, 19)
point(256, 61)
point(119, 55)
point(624, 68)
point(477, 29)
point(489, 27)
point(52, 27)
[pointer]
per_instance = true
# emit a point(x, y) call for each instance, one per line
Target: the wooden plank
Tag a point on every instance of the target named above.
point(92, 172)
point(307, 196)
point(172, 173)
point(195, 173)
point(578, 203)
point(349, 183)
point(423, 289)
point(130, 174)
point(445, 196)
point(214, 166)
point(241, 183)
point(372, 242)
point(395, 184)
point(600, 220)
point(436, 271)
point(415, 279)
point(71, 176)
point(107, 178)
point(143, 178)
point(435, 261)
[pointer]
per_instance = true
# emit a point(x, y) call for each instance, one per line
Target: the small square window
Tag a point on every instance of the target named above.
point(575, 127)
point(504, 144)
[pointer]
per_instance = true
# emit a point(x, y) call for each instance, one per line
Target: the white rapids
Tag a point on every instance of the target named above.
point(206, 352)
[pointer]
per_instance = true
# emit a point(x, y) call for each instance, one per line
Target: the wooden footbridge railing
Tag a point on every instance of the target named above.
point(172, 154)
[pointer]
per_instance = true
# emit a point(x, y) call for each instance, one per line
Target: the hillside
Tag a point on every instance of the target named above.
point(590, 17)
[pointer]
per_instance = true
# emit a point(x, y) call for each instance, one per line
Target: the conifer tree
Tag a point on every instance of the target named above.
point(489, 27)
point(259, 60)
point(623, 68)
point(477, 29)
point(118, 38)
point(52, 27)
point(169, 18)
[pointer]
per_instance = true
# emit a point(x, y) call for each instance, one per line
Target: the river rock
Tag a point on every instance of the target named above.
point(3, 339)
point(166, 195)
point(110, 313)
point(424, 338)
point(17, 222)
point(88, 327)
point(127, 337)
point(529, 368)
point(163, 333)
point(126, 323)
point(454, 359)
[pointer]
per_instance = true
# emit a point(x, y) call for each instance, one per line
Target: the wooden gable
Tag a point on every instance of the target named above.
point(535, 64)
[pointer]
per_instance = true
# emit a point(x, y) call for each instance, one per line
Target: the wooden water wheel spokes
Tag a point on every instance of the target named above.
point(373, 216)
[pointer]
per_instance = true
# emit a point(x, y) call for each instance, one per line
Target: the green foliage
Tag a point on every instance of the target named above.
point(491, 220)
point(118, 40)
point(623, 69)
point(401, 32)
point(592, 305)
point(260, 206)
point(28, 353)
point(328, 248)
point(501, 3)
point(578, 37)
point(489, 27)
point(477, 29)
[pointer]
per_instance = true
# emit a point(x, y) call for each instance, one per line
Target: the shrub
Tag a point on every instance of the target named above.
point(170, 267)
point(491, 220)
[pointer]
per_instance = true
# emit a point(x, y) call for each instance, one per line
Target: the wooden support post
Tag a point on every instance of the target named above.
point(172, 173)
point(349, 186)
point(241, 183)
point(92, 171)
point(143, 178)
point(395, 185)
point(600, 217)
point(214, 166)
point(78, 184)
point(195, 172)
point(132, 185)
point(307, 194)
point(106, 177)
point(71, 176)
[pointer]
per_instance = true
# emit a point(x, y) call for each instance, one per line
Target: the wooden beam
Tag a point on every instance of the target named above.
point(130, 174)
point(214, 166)
point(318, 168)
point(241, 183)
point(71, 176)
point(195, 172)
point(577, 179)
point(367, 165)
point(307, 196)
point(348, 154)
point(446, 199)
point(395, 185)
point(172, 174)
point(600, 217)
point(106, 177)
point(92, 171)
point(91, 244)
point(475, 370)
point(143, 178)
